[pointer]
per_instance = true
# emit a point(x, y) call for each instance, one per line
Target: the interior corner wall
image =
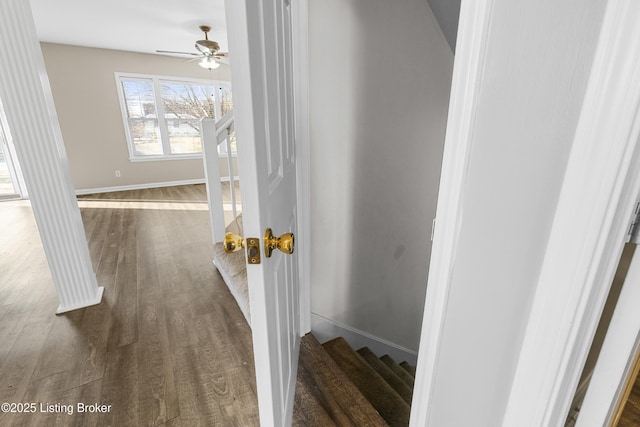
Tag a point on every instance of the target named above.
point(86, 98)
point(447, 13)
point(380, 77)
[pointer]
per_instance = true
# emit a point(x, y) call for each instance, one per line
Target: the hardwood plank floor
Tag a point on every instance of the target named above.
point(630, 416)
point(167, 346)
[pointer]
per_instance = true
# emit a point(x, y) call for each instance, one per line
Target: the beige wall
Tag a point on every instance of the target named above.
point(379, 94)
point(86, 98)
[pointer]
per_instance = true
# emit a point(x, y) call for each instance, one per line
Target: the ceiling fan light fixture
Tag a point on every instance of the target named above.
point(209, 63)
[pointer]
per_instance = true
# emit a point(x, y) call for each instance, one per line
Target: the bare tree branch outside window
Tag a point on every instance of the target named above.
point(188, 102)
point(163, 116)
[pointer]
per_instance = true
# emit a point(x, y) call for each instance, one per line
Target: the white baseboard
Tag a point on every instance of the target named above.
point(84, 191)
point(138, 186)
point(326, 329)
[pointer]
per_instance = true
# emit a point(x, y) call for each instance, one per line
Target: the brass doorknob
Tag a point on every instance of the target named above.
point(233, 242)
point(285, 243)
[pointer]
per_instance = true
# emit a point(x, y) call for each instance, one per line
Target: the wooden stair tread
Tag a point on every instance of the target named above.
point(308, 409)
point(381, 395)
point(324, 394)
point(385, 372)
point(410, 369)
point(398, 370)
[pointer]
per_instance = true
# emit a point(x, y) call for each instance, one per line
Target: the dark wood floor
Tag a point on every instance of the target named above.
point(630, 416)
point(167, 346)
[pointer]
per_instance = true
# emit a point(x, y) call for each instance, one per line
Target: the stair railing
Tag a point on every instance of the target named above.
point(214, 133)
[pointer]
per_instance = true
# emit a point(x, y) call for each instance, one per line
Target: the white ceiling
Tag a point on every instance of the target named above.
point(132, 25)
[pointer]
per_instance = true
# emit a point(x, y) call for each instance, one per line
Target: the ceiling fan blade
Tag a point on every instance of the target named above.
point(179, 53)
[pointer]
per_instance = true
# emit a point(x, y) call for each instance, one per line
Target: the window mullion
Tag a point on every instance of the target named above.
point(162, 123)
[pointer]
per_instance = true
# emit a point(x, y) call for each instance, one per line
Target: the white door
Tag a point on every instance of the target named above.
point(261, 69)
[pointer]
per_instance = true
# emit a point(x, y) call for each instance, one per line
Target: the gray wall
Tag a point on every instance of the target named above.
point(86, 98)
point(379, 93)
point(530, 96)
point(447, 13)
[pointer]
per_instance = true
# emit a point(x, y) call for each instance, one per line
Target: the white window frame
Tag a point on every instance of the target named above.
point(164, 133)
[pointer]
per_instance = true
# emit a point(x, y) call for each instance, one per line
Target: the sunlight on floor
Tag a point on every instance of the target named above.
point(140, 204)
point(134, 204)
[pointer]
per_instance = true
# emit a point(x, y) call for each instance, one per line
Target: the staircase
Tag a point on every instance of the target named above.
point(336, 385)
point(339, 386)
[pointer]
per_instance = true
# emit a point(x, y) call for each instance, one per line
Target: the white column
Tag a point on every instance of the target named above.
point(27, 103)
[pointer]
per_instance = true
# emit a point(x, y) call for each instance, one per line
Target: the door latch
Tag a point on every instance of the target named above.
point(234, 243)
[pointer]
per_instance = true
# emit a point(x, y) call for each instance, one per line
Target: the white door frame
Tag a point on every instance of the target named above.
point(601, 183)
point(11, 157)
point(467, 73)
point(300, 33)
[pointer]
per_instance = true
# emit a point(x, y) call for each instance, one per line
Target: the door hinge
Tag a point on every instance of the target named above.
point(634, 227)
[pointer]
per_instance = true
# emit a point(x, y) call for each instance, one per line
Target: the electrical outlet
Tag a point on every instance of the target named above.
point(117, 173)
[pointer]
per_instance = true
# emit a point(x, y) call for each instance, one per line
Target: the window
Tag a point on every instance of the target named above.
point(162, 114)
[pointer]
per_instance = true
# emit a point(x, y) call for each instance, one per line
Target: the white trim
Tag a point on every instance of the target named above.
point(84, 191)
point(600, 187)
point(300, 29)
point(177, 157)
point(467, 74)
point(617, 356)
point(227, 179)
point(171, 157)
point(326, 329)
point(174, 78)
point(11, 156)
point(97, 299)
point(9, 162)
point(160, 116)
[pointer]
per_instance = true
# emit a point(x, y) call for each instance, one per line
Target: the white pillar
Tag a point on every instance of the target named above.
point(27, 103)
point(212, 178)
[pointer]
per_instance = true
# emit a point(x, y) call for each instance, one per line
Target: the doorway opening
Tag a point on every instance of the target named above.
point(11, 183)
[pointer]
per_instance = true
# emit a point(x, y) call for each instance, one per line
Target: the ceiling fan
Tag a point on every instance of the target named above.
point(209, 55)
